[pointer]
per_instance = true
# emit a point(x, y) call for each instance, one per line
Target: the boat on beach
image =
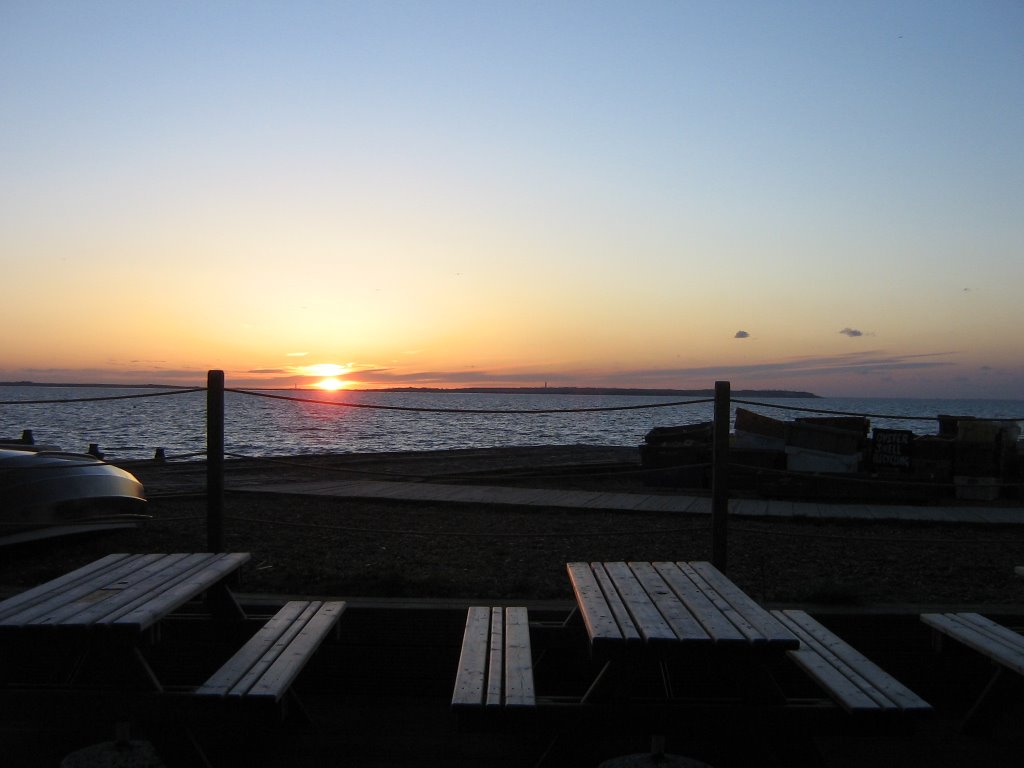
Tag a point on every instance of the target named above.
point(47, 493)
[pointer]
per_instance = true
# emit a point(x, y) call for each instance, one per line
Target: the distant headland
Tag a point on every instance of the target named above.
point(624, 391)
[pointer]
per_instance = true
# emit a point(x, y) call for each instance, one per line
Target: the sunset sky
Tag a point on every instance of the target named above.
point(821, 196)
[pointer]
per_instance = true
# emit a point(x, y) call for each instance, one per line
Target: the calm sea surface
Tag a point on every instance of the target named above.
point(260, 426)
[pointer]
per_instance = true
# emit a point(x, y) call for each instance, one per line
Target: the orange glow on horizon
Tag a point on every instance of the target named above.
point(331, 384)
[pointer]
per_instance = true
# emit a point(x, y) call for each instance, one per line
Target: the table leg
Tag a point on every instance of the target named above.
point(222, 603)
point(147, 671)
point(598, 684)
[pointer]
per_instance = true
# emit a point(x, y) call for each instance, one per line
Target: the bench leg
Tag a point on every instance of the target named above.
point(573, 615)
point(980, 702)
point(292, 706)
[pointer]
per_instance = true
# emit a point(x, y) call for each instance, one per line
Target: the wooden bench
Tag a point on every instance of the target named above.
point(1000, 644)
point(496, 664)
point(853, 681)
point(264, 668)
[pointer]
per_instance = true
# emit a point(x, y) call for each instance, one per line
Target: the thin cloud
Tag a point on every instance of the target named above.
point(854, 362)
point(869, 362)
point(741, 335)
point(851, 332)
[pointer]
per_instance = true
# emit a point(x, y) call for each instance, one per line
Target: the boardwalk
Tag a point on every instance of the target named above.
point(635, 502)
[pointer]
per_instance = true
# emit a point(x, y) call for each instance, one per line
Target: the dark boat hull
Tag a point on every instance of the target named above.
point(49, 493)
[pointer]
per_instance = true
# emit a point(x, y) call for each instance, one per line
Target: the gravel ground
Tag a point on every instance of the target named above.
point(386, 548)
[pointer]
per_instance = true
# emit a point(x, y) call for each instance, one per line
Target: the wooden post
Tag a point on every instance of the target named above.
point(215, 461)
point(720, 478)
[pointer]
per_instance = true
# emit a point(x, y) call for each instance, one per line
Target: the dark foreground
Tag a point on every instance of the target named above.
point(379, 695)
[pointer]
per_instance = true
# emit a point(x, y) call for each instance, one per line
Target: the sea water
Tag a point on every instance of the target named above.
point(303, 422)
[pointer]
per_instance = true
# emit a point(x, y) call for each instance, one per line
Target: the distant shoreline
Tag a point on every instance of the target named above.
point(624, 391)
point(621, 391)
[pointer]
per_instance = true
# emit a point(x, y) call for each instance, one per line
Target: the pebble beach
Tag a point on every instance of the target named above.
point(388, 548)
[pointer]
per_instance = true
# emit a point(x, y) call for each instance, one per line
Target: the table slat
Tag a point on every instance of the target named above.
point(123, 595)
point(598, 616)
point(750, 633)
point(629, 631)
point(652, 625)
point(157, 605)
point(684, 624)
point(770, 629)
point(16, 603)
point(720, 629)
point(54, 605)
point(131, 592)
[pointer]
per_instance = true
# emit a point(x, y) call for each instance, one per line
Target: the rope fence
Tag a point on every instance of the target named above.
point(489, 411)
point(720, 463)
point(828, 412)
point(493, 411)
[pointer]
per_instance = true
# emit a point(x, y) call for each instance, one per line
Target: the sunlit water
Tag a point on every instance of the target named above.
point(258, 426)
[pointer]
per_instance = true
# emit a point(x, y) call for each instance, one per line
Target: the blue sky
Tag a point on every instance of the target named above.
point(467, 192)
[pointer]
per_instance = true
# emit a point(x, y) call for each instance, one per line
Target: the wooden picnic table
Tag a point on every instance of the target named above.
point(686, 614)
point(114, 605)
point(661, 608)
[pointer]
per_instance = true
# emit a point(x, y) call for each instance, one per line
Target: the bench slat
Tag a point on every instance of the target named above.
point(287, 666)
point(519, 691)
point(839, 687)
point(469, 681)
point(855, 681)
point(496, 662)
point(495, 658)
point(271, 659)
point(850, 696)
point(817, 640)
point(983, 635)
point(225, 678)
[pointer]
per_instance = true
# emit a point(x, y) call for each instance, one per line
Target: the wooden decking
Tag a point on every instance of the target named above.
point(637, 502)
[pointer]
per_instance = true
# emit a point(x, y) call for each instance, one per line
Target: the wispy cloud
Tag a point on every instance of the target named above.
point(741, 335)
point(851, 332)
point(854, 362)
point(869, 362)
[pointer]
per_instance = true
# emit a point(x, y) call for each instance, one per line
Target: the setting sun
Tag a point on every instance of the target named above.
point(331, 384)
